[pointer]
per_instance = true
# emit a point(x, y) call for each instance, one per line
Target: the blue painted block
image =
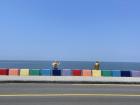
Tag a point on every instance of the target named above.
point(45, 72)
point(135, 73)
point(116, 73)
point(125, 73)
point(56, 72)
point(66, 72)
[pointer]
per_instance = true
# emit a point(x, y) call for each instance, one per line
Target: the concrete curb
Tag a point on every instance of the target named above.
point(69, 79)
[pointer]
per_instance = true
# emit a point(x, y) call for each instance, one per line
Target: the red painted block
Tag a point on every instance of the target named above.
point(3, 71)
point(76, 72)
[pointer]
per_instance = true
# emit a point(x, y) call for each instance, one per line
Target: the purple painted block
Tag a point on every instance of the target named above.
point(135, 73)
point(66, 72)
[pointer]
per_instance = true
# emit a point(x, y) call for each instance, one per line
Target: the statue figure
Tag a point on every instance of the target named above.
point(55, 65)
point(97, 65)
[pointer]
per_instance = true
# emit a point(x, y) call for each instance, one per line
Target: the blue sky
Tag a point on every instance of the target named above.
point(87, 30)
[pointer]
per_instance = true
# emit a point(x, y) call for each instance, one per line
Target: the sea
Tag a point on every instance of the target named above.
point(70, 65)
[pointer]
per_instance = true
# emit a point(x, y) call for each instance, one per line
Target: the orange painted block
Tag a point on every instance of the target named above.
point(13, 71)
point(86, 73)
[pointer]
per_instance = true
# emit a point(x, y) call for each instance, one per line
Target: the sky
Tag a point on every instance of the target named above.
point(70, 30)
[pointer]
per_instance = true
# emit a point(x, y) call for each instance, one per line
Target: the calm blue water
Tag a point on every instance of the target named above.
point(70, 64)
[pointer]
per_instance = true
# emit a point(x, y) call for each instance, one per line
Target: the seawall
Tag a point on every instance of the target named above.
point(69, 79)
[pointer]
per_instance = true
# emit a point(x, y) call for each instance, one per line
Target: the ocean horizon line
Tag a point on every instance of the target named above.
point(28, 60)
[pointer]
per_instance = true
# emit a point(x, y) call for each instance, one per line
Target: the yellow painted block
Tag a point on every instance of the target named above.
point(24, 72)
point(96, 73)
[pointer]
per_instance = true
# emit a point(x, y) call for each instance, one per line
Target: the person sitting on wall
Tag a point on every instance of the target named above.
point(55, 65)
point(97, 65)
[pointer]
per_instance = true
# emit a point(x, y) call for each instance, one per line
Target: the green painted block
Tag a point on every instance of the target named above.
point(106, 73)
point(34, 72)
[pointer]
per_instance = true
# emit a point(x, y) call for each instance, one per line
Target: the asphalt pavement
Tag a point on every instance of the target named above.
point(69, 94)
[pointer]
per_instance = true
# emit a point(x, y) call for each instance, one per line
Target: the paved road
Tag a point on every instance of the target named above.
point(68, 94)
